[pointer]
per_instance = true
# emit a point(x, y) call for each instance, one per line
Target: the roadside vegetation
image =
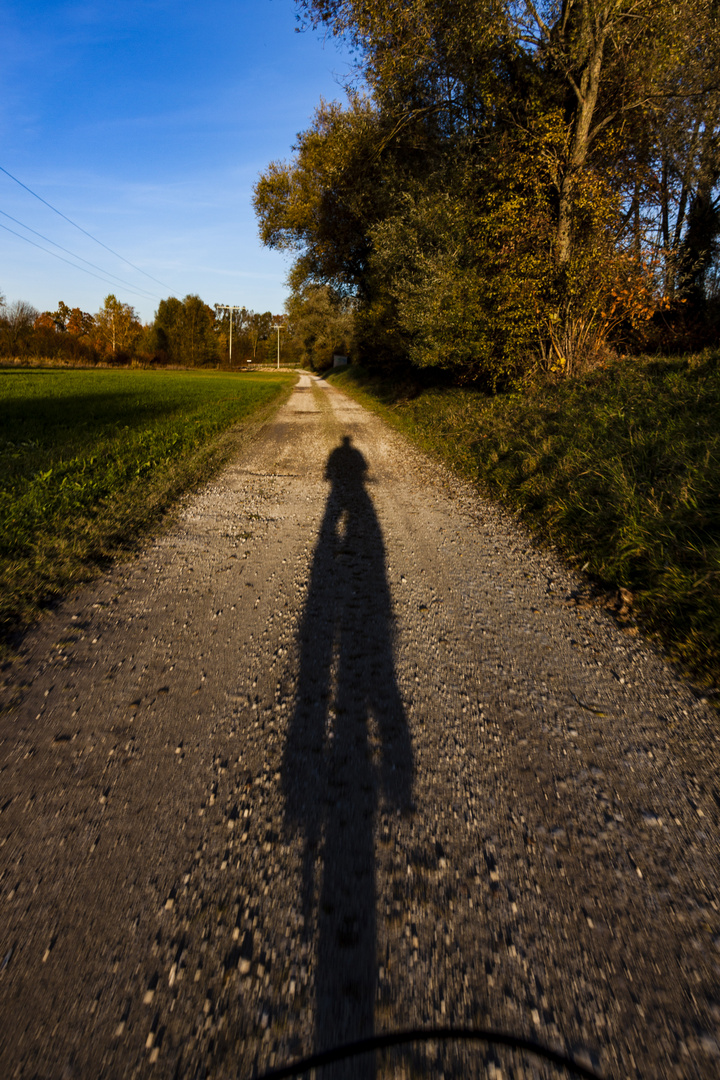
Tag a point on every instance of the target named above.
point(509, 184)
point(89, 460)
point(618, 468)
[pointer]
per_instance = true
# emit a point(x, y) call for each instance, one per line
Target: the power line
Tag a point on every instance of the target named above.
point(149, 295)
point(75, 225)
point(55, 255)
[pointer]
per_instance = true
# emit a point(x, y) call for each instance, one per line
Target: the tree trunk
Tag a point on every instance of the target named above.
point(587, 96)
point(699, 245)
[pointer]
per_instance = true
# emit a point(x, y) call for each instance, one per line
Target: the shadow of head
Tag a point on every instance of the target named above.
point(346, 466)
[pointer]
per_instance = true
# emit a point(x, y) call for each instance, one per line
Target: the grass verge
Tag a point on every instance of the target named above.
point(619, 469)
point(90, 460)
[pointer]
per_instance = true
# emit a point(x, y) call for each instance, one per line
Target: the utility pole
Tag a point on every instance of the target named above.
point(227, 307)
point(278, 327)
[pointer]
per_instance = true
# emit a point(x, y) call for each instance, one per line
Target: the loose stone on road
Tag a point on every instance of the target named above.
point(336, 755)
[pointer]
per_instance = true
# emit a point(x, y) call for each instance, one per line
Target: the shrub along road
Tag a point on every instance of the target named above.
point(336, 754)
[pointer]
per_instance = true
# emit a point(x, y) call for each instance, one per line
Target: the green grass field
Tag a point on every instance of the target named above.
point(620, 469)
point(89, 460)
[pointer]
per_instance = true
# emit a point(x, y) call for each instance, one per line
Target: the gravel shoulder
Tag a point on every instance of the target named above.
point(337, 753)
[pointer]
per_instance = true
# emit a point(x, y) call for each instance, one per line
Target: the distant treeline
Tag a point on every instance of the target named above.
point(185, 332)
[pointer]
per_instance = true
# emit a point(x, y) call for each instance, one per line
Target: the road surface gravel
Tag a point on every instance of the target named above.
point(338, 754)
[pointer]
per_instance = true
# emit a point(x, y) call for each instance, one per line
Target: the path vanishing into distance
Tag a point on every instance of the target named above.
point(338, 753)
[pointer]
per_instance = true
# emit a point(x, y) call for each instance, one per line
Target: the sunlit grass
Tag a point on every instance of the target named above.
point(89, 460)
point(620, 469)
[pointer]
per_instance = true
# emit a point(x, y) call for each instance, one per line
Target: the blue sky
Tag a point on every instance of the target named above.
point(147, 123)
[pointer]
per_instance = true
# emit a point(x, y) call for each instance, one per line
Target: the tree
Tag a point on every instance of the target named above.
point(81, 323)
point(17, 326)
point(200, 341)
point(249, 329)
point(510, 181)
point(319, 204)
point(236, 318)
point(597, 61)
point(46, 321)
point(62, 315)
point(320, 324)
point(116, 326)
point(259, 329)
point(186, 331)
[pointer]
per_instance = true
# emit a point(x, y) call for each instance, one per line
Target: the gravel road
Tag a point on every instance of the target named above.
point(338, 753)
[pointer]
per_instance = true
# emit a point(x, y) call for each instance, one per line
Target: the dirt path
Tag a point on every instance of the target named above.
point(336, 755)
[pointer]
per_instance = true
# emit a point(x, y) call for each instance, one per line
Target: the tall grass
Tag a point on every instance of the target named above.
point(619, 468)
point(90, 459)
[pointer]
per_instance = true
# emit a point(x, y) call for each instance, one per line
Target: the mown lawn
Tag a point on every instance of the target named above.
point(89, 460)
point(620, 469)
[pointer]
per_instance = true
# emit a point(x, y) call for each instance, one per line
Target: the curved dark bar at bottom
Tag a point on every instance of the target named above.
point(414, 1035)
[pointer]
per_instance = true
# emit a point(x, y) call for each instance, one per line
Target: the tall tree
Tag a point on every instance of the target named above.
point(259, 328)
point(319, 205)
point(186, 331)
point(116, 326)
point(320, 324)
point(81, 323)
point(17, 326)
point(511, 150)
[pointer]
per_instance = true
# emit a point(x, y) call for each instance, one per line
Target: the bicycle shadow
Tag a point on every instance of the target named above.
point(348, 748)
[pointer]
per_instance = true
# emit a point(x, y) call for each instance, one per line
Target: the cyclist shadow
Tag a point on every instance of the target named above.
point(348, 749)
